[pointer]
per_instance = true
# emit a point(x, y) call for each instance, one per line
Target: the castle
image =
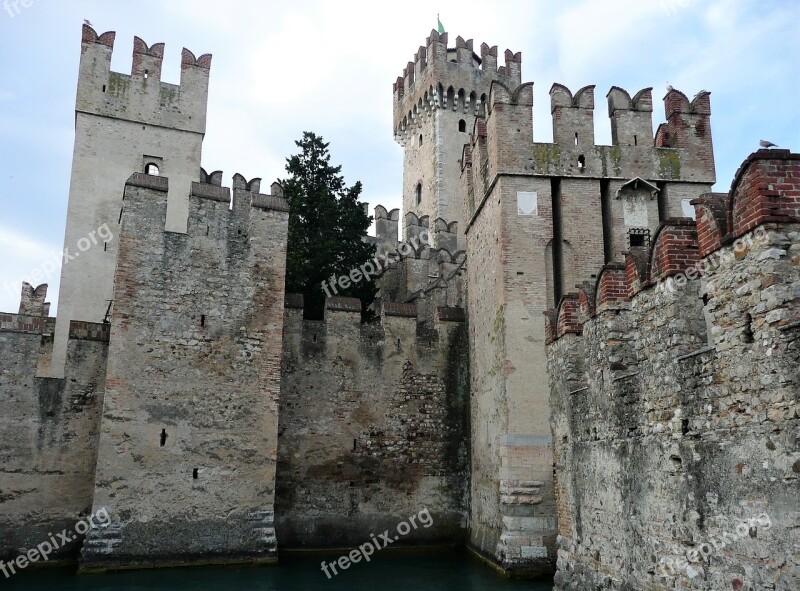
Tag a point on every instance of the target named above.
point(182, 390)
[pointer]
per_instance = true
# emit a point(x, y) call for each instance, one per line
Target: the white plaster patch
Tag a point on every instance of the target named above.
point(527, 203)
point(687, 208)
point(634, 210)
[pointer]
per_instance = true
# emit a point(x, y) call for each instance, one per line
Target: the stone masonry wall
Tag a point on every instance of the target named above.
point(188, 445)
point(540, 219)
point(49, 430)
point(123, 122)
point(674, 401)
point(373, 426)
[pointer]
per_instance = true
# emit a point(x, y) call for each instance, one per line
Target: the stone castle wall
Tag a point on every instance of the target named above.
point(373, 425)
point(188, 446)
point(50, 428)
point(674, 400)
point(221, 402)
point(539, 219)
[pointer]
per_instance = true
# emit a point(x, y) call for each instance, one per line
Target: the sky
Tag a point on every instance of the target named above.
point(281, 68)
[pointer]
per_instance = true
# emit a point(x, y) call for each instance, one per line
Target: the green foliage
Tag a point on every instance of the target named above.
point(326, 226)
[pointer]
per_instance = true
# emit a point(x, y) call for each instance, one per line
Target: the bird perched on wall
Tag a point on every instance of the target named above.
point(86, 22)
point(766, 144)
point(669, 87)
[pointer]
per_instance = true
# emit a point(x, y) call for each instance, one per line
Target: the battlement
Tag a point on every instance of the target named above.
point(427, 263)
point(146, 60)
point(573, 116)
point(245, 193)
point(210, 187)
point(455, 79)
point(679, 361)
point(141, 97)
point(214, 211)
point(344, 313)
point(32, 301)
point(420, 234)
point(386, 228)
point(502, 143)
point(764, 197)
point(631, 118)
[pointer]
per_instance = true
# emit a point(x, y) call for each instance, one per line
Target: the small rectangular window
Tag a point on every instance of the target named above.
point(639, 237)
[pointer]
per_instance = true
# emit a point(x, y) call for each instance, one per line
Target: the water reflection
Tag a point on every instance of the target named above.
point(430, 570)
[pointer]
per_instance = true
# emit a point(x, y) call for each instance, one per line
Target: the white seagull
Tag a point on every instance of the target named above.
point(766, 144)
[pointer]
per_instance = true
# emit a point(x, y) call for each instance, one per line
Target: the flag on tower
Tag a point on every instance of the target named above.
point(441, 26)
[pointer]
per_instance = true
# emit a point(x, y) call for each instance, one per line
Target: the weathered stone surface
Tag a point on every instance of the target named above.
point(48, 433)
point(372, 429)
point(678, 472)
point(186, 464)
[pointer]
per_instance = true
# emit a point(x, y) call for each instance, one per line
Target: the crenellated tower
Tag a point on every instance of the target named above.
point(123, 124)
point(436, 101)
point(541, 218)
point(187, 454)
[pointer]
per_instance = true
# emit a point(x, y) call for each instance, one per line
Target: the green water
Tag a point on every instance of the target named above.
point(418, 571)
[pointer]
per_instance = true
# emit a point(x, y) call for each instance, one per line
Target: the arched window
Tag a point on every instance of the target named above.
point(151, 169)
point(419, 193)
point(462, 126)
point(420, 139)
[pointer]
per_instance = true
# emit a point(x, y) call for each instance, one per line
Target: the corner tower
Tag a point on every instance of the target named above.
point(539, 219)
point(123, 124)
point(436, 101)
